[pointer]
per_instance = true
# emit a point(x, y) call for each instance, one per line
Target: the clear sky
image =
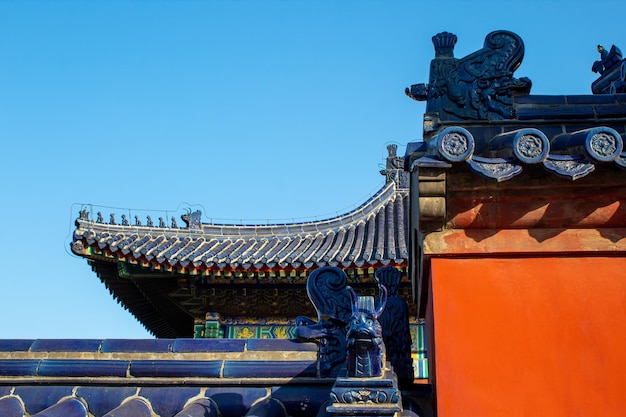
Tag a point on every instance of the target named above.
point(247, 109)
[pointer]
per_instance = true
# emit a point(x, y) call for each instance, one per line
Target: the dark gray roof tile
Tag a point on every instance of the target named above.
point(374, 233)
point(332, 252)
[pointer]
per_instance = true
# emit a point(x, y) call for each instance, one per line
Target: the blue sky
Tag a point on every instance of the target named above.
point(247, 109)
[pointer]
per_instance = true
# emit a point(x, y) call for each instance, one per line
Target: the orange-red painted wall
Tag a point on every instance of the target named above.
point(528, 337)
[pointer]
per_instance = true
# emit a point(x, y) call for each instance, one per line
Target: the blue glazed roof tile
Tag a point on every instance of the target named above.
point(11, 406)
point(137, 345)
point(169, 402)
point(65, 345)
point(133, 407)
point(19, 367)
point(66, 407)
point(15, 345)
point(174, 368)
point(279, 345)
point(269, 369)
point(208, 345)
point(102, 399)
point(83, 368)
point(37, 398)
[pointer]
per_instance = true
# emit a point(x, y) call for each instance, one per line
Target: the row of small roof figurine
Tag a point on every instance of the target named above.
point(125, 221)
point(193, 220)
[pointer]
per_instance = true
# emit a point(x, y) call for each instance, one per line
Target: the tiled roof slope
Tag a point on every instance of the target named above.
point(164, 377)
point(373, 234)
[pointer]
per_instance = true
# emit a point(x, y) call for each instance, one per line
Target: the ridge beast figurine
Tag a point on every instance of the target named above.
point(366, 350)
point(612, 70)
point(347, 325)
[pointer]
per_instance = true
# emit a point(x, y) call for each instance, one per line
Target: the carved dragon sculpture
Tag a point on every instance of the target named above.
point(478, 86)
point(366, 350)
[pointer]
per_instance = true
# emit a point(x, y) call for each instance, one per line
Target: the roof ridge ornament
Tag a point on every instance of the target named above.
point(612, 70)
point(479, 86)
point(444, 44)
point(394, 168)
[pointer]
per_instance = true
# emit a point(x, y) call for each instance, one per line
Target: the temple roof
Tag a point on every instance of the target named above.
point(168, 276)
point(372, 234)
point(479, 115)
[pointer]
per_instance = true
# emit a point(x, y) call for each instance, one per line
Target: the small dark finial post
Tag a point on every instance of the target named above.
point(444, 44)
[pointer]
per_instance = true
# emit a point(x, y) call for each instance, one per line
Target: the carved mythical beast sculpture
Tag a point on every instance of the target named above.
point(193, 220)
point(477, 87)
point(366, 350)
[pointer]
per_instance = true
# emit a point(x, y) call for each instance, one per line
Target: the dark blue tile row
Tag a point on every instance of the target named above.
point(137, 345)
point(66, 345)
point(77, 368)
point(175, 368)
point(19, 367)
point(269, 369)
point(209, 345)
point(576, 99)
point(556, 112)
point(610, 111)
point(539, 99)
point(280, 345)
point(590, 99)
point(15, 345)
point(303, 401)
point(157, 368)
point(151, 345)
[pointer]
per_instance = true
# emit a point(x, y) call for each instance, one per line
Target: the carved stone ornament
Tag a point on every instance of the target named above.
point(479, 86)
point(78, 247)
point(366, 350)
point(455, 144)
point(367, 397)
point(612, 70)
point(572, 167)
point(83, 214)
point(604, 144)
point(531, 146)
point(499, 169)
point(327, 290)
point(192, 220)
point(394, 168)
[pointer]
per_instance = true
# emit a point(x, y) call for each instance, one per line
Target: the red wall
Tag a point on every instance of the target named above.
point(527, 337)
